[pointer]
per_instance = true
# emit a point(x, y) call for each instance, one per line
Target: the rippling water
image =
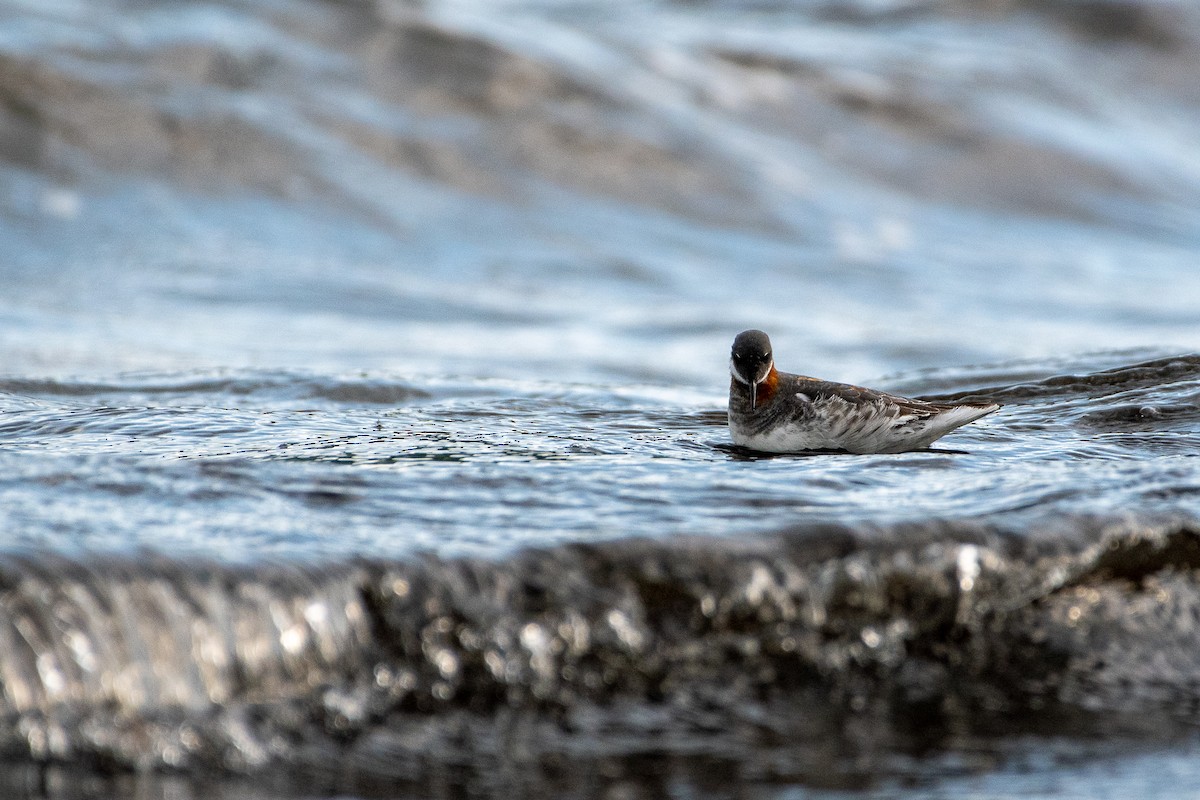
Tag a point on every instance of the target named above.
point(362, 398)
point(248, 465)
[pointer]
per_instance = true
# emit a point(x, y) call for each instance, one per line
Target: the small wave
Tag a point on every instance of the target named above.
point(1172, 373)
point(1154, 24)
point(153, 663)
point(1143, 416)
point(271, 386)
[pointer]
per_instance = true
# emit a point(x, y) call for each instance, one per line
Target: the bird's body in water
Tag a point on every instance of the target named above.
point(778, 412)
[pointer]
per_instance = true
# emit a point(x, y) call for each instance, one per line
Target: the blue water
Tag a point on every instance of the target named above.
point(315, 281)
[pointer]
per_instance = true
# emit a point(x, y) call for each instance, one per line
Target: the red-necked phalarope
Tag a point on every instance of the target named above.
point(777, 412)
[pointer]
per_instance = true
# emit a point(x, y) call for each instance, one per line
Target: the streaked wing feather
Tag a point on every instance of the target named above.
point(865, 420)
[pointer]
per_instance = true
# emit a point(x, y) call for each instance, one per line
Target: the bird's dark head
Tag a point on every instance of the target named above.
point(750, 361)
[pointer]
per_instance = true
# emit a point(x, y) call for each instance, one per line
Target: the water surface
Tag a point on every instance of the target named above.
point(363, 384)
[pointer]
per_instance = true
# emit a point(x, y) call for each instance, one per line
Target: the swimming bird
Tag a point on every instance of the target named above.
point(777, 412)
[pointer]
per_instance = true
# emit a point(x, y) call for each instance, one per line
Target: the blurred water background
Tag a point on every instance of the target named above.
point(363, 384)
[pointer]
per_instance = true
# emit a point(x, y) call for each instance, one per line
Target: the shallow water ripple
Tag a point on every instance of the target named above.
point(257, 465)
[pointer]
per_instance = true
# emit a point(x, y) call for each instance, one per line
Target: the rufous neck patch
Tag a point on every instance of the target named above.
point(768, 387)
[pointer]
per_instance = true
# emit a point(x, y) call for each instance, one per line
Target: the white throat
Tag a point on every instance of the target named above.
point(742, 379)
point(737, 376)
